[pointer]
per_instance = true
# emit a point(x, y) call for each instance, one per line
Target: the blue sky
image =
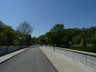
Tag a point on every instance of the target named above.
point(43, 14)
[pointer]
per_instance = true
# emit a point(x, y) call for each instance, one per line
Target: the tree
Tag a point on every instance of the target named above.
point(72, 37)
point(25, 28)
point(84, 37)
point(28, 39)
point(76, 39)
point(6, 35)
point(57, 33)
point(35, 40)
point(93, 41)
point(51, 38)
point(42, 39)
point(57, 27)
point(9, 33)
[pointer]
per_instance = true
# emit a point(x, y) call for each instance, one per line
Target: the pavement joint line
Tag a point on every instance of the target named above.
point(62, 64)
point(11, 55)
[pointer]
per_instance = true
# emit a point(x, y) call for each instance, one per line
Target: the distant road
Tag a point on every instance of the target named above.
point(32, 60)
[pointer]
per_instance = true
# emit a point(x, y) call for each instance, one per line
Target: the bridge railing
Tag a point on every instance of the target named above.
point(86, 58)
point(7, 50)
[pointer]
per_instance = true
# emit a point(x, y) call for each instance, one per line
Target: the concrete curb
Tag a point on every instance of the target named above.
point(48, 59)
point(11, 55)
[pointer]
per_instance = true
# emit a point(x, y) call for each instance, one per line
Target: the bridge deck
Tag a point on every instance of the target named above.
point(31, 60)
point(63, 64)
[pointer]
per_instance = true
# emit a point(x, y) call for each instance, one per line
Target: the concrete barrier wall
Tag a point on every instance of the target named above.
point(4, 51)
point(86, 58)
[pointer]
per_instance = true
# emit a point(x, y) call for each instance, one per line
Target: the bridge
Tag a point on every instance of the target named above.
point(48, 59)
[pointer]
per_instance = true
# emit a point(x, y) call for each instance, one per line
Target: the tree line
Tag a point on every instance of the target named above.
point(76, 38)
point(11, 37)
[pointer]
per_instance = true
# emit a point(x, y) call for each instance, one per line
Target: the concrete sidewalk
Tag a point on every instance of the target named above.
point(10, 55)
point(63, 64)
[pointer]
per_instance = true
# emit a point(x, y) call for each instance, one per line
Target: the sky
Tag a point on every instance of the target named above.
point(42, 15)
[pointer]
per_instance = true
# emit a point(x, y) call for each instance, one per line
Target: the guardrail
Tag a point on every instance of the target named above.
point(4, 51)
point(86, 58)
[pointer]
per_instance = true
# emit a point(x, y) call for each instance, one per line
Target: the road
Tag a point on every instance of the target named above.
point(31, 60)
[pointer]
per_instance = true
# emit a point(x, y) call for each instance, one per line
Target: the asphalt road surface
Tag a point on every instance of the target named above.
point(31, 60)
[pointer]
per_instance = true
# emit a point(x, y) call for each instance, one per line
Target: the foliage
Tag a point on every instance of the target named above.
point(24, 30)
point(93, 41)
point(80, 39)
point(10, 37)
point(88, 48)
point(57, 27)
point(72, 37)
point(6, 34)
point(35, 40)
point(57, 33)
point(76, 39)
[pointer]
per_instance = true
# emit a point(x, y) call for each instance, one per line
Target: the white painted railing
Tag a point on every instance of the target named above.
point(86, 58)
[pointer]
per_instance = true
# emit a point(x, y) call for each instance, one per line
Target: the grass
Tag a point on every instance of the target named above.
point(3, 47)
point(89, 48)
